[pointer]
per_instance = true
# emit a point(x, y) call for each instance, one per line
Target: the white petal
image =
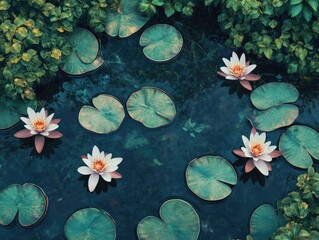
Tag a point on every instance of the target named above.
point(266, 146)
point(26, 120)
point(33, 132)
point(270, 149)
point(230, 77)
point(85, 170)
point(235, 59)
point(262, 167)
point(242, 60)
point(246, 152)
point(106, 176)
point(265, 157)
point(48, 119)
point(89, 157)
point(227, 62)
point(246, 142)
point(108, 157)
point(87, 161)
point(250, 68)
point(114, 161)
point(42, 113)
point(95, 152)
point(31, 113)
point(225, 70)
point(262, 138)
point(51, 127)
point(30, 127)
point(93, 180)
point(45, 133)
point(111, 168)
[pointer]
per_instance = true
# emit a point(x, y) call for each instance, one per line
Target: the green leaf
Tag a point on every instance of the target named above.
point(4, 5)
point(292, 68)
point(295, 10)
point(158, 2)
point(209, 177)
point(21, 33)
point(268, 52)
point(16, 47)
point(169, 10)
point(313, 4)
point(306, 13)
point(294, 2)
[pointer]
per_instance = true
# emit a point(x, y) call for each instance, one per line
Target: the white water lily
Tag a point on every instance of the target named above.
point(239, 69)
point(260, 151)
point(100, 164)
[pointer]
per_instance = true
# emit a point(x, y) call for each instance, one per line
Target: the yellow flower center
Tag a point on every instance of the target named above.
point(39, 124)
point(257, 149)
point(237, 70)
point(98, 165)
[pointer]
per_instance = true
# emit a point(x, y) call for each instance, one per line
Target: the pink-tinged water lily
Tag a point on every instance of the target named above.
point(239, 69)
point(260, 152)
point(100, 164)
point(40, 125)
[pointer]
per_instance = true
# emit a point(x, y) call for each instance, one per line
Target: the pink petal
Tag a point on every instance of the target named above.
point(56, 121)
point(55, 134)
point(252, 77)
point(116, 175)
point(39, 143)
point(246, 84)
point(247, 63)
point(221, 74)
point(275, 154)
point(253, 131)
point(24, 133)
point(269, 166)
point(83, 156)
point(249, 166)
point(239, 152)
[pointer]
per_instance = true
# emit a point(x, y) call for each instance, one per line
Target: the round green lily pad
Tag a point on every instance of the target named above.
point(263, 222)
point(179, 221)
point(161, 42)
point(84, 57)
point(274, 117)
point(10, 111)
point(151, 106)
point(298, 144)
point(90, 224)
point(125, 20)
point(209, 176)
point(105, 117)
point(273, 94)
point(28, 201)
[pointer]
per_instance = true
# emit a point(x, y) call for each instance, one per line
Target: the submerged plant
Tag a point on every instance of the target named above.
point(100, 164)
point(260, 152)
point(239, 69)
point(40, 125)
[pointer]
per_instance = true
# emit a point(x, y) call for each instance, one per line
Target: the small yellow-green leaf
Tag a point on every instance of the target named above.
point(56, 53)
point(4, 5)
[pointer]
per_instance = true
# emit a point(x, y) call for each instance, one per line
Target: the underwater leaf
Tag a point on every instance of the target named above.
point(27, 200)
point(179, 221)
point(263, 222)
point(209, 177)
point(10, 111)
point(161, 42)
point(273, 94)
point(105, 117)
point(126, 20)
point(90, 224)
point(274, 117)
point(298, 144)
point(151, 106)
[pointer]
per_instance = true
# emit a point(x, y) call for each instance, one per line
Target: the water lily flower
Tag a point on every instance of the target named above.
point(239, 69)
point(260, 152)
point(40, 125)
point(100, 164)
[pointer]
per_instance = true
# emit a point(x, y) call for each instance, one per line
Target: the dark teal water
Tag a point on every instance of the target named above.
point(154, 159)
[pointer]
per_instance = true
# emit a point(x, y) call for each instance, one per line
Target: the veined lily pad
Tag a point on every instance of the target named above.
point(298, 144)
point(151, 106)
point(263, 222)
point(273, 94)
point(161, 42)
point(105, 117)
point(208, 177)
point(26, 201)
point(90, 224)
point(84, 57)
point(179, 221)
point(275, 117)
point(126, 20)
point(10, 111)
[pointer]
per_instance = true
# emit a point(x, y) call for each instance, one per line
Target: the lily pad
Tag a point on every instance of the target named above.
point(90, 224)
point(28, 202)
point(125, 20)
point(274, 117)
point(209, 176)
point(10, 111)
point(161, 42)
point(273, 94)
point(151, 106)
point(179, 221)
point(105, 117)
point(263, 222)
point(298, 144)
point(85, 56)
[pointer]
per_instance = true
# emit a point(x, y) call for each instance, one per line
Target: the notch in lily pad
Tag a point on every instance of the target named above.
point(90, 224)
point(274, 110)
point(124, 19)
point(106, 116)
point(85, 55)
point(179, 221)
point(209, 177)
point(298, 145)
point(28, 203)
point(151, 106)
point(161, 42)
